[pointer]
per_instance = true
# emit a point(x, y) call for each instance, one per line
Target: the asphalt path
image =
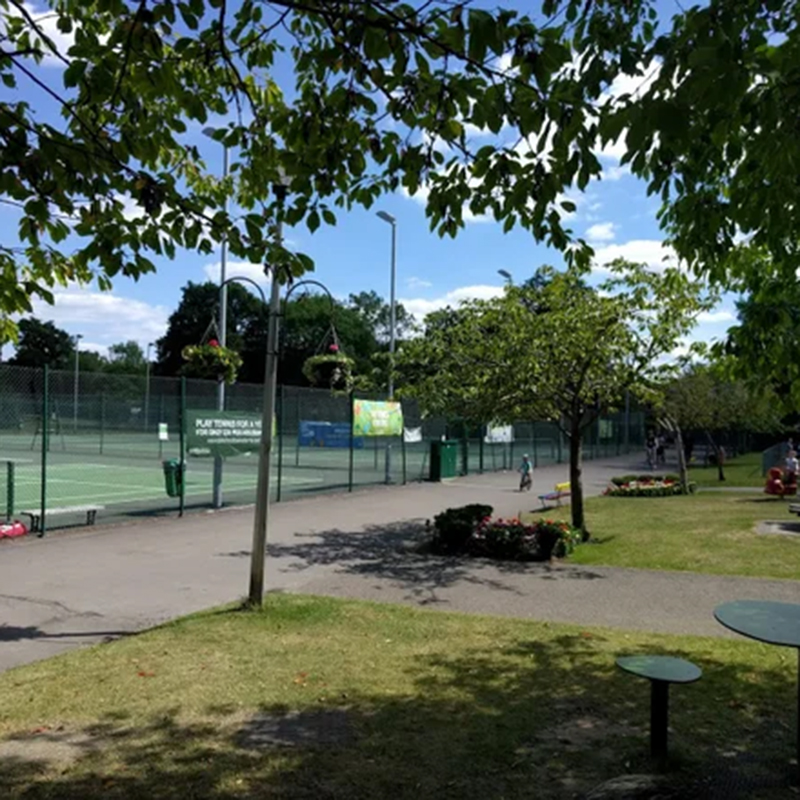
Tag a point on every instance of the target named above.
point(88, 585)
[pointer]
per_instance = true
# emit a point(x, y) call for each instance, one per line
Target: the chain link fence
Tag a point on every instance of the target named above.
point(96, 443)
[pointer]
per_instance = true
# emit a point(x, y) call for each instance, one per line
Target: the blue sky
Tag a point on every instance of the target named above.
point(614, 214)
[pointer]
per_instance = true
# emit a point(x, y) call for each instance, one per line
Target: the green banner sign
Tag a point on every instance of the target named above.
point(223, 433)
point(377, 418)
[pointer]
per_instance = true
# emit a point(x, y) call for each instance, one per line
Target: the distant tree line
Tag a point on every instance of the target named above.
point(311, 323)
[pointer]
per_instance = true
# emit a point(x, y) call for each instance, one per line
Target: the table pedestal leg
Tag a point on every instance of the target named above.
point(659, 711)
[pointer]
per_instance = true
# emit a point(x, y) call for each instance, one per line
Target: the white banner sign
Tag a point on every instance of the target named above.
point(501, 434)
point(411, 435)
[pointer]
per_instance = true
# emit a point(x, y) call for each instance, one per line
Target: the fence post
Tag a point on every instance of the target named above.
point(560, 442)
point(45, 447)
point(480, 449)
point(627, 421)
point(102, 420)
point(182, 446)
point(352, 423)
point(403, 453)
point(297, 432)
point(161, 419)
point(280, 444)
point(533, 437)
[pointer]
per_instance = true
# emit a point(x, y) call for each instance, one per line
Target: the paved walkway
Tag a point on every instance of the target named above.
point(87, 585)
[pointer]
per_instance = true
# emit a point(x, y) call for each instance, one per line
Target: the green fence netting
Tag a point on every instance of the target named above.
point(70, 441)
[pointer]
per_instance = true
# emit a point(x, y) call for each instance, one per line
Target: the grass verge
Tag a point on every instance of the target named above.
point(429, 705)
point(744, 470)
point(708, 532)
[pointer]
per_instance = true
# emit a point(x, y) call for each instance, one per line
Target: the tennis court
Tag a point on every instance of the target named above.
point(123, 488)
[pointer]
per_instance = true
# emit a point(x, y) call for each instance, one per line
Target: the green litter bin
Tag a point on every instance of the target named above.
point(173, 477)
point(444, 455)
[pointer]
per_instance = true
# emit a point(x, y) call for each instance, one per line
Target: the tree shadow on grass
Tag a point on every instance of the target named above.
point(396, 552)
point(532, 718)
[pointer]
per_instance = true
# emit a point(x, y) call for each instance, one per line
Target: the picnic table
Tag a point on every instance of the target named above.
point(768, 622)
point(10, 477)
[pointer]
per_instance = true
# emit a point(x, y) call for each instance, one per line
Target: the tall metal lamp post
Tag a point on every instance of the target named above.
point(261, 517)
point(223, 323)
point(507, 275)
point(147, 387)
point(386, 217)
point(78, 337)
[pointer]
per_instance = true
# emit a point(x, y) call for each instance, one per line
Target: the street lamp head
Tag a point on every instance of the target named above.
point(387, 217)
point(78, 337)
point(506, 274)
point(209, 132)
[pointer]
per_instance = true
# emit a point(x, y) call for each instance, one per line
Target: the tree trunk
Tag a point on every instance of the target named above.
point(719, 453)
point(682, 468)
point(575, 471)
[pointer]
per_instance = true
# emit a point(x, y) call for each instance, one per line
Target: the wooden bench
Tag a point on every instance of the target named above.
point(561, 490)
point(661, 671)
point(36, 513)
point(794, 508)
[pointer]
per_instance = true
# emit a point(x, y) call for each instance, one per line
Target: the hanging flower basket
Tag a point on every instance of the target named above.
point(212, 361)
point(331, 371)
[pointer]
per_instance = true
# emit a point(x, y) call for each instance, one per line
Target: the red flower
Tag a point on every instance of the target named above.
point(213, 343)
point(334, 348)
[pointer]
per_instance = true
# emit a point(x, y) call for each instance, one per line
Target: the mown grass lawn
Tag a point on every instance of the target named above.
point(428, 705)
point(711, 532)
point(744, 470)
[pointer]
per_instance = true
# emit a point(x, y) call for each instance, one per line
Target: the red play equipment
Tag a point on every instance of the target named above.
point(8, 530)
point(776, 486)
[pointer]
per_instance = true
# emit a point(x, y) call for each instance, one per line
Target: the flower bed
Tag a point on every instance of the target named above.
point(646, 486)
point(470, 530)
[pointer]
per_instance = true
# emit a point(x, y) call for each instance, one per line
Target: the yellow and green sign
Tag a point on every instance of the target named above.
point(377, 418)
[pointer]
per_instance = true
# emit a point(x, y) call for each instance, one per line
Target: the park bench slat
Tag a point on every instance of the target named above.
point(36, 513)
point(561, 490)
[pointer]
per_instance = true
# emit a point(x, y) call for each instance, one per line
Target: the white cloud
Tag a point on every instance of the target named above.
point(418, 283)
point(46, 20)
point(711, 317)
point(635, 85)
point(244, 269)
point(94, 347)
point(420, 307)
point(615, 172)
point(652, 252)
point(601, 232)
point(421, 197)
point(103, 318)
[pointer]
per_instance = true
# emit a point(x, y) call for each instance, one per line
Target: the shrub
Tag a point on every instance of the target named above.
point(471, 530)
point(454, 526)
point(512, 540)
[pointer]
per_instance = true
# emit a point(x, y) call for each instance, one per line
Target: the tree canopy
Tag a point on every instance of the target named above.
point(307, 329)
point(382, 95)
point(43, 343)
point(554, 349)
